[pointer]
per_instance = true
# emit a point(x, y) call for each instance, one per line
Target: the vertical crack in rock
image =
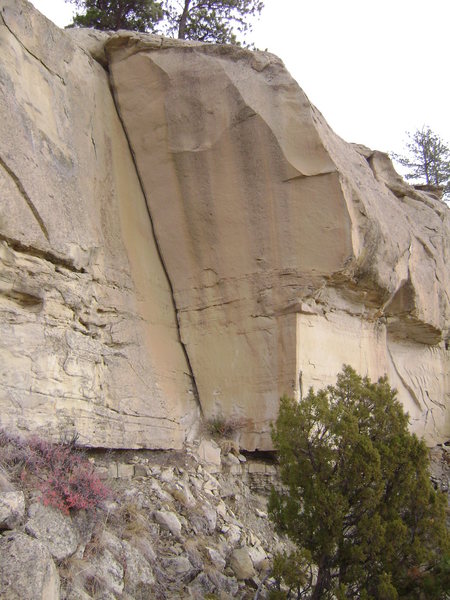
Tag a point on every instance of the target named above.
point(29, 51)
point(158, 248)
point(27, 198)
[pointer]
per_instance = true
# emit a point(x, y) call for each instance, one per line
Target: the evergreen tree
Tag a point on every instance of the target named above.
point(137, 15)
point(218, 21)
point(427, 160)
point(357, 498)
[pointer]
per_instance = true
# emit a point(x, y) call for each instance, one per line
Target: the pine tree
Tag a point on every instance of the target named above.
point(218, 21)
point(136, 15)
point(427, 160)
point(357, 501)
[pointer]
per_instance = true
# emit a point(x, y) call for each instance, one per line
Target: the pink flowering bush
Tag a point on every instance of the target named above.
point(61, 472)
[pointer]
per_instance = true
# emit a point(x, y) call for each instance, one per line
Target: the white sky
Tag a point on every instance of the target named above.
point(374, 69)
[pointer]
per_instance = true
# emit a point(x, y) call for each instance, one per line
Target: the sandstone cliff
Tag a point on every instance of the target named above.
point(197, 241)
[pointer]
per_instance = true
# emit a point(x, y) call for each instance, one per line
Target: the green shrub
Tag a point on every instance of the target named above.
point(358, 496)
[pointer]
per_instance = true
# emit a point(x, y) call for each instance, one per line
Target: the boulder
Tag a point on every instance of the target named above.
point(289, 240)
point(178, 568)
point(108, 571)
point(241, 563)
point(209, 452)
point(12, 509)
point(5, 484)
point(27, 571)
point(210, 514)
point(216, 558)
point(54, 529)
point(138, 573)
point(258, 556)
point(168, 520)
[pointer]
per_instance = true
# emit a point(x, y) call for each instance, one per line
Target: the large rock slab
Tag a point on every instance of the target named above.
point(54, 529)
point(295, 251)
point(27, 571)
point(88, 332)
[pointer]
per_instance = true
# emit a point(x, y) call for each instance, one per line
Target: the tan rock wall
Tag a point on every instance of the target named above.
point(89, 338)
point(245, 252)
point(288, 252)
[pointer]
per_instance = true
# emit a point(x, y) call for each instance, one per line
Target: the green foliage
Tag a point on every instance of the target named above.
point(137, 15)
point(357, 494)
point(219, 21)
point(427, 159)
point(294, 570)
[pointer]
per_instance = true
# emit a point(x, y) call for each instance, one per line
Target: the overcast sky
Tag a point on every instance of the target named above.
point(374, 69)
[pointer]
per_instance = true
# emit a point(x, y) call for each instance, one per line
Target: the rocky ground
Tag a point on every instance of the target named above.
point(190, 524)
point(178, 525)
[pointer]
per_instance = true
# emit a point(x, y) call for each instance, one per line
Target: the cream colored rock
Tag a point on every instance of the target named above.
point(295, 252)
point(241, 563)
point(12, 509)
point(88, 333)
point(245, 252)
point(209, 452)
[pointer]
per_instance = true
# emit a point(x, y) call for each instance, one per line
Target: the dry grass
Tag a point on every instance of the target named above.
point(221, 427)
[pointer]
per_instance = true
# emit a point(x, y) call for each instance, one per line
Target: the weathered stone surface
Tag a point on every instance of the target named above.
point(216, 558)
point(168, 520)
point(138, 573)
point(209, 452)
point(241, 563)
point(258, 556)
point(244, 252)
point(5, 484)
point(27, 571)
point(124, 553)
point(12, 509)
point(54, 529)
point(88, 332)
point(108, 571)
point(296, 252)
point(177, 568)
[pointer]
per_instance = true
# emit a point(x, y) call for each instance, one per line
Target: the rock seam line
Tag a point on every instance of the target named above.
point(31, 53)
point(158, 247)
point(26, 197)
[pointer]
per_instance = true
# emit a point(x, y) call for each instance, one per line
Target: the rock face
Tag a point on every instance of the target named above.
point(88, 331)
point(239, 251)
point(295, 252)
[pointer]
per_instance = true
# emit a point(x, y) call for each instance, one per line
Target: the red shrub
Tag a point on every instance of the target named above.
point(61, 472)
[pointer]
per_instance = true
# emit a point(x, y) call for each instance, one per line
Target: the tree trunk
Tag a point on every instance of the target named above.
point(323, 579)
point(183, 20)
